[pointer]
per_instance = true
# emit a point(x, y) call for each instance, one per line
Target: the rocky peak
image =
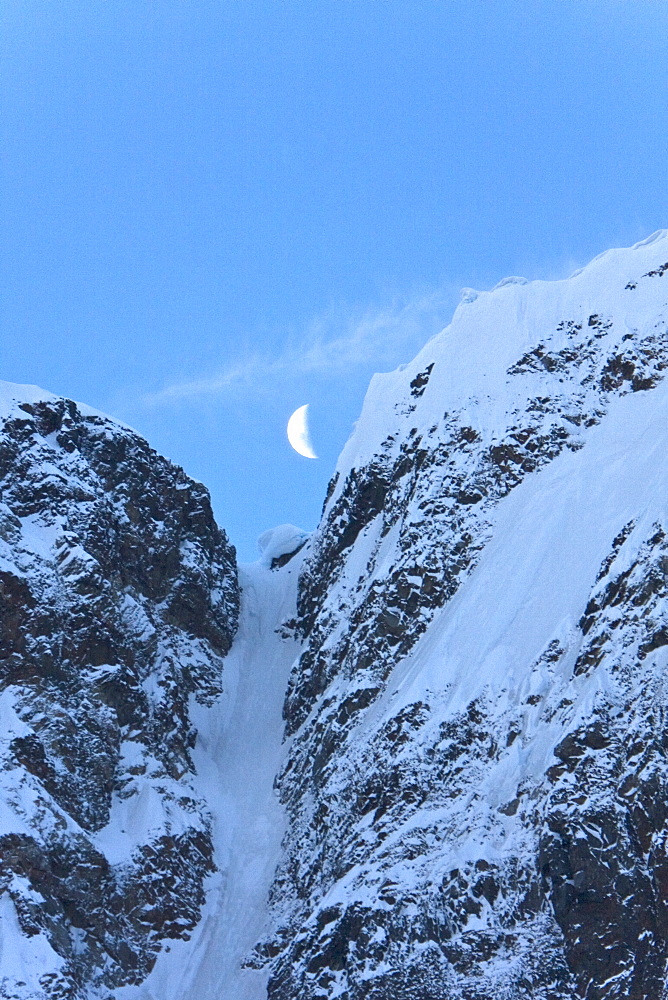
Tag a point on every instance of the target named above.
point(119, 603)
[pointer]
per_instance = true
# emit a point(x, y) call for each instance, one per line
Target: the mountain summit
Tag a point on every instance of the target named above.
point(456, 685)
point(476, 778)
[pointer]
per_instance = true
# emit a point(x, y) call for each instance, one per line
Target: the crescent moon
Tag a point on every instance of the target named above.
point(298, 432)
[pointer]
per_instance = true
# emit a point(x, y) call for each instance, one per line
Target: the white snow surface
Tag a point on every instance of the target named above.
point(280, 541)
point(23, 960)
point(239, 751)
point(12, 394)
point(533, 581)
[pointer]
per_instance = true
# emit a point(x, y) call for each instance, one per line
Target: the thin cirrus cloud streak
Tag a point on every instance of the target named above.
point(374, 337)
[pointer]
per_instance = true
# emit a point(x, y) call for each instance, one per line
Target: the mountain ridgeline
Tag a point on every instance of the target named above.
point(476, 776)
point(473, 778)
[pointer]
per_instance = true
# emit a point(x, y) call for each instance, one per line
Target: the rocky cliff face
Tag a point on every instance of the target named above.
point(476, 780)
point(118, 603)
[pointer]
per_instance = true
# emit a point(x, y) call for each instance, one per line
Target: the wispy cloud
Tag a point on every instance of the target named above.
point(331, 346)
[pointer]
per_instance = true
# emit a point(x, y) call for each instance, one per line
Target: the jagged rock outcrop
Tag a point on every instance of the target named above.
point(477, 772)
point(118, 603)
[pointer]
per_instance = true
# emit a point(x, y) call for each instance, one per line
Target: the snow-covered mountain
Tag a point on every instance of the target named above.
point(466, 796)
point(118, 603)
point(476, 779)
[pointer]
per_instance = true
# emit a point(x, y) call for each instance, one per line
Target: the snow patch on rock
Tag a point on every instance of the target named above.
point(276, 543)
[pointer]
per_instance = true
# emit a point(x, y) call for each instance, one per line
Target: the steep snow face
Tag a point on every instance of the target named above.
point(237, 755)
point(119, 603)
point(476, 781)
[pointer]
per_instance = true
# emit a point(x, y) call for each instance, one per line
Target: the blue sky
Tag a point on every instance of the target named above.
point(215, 212)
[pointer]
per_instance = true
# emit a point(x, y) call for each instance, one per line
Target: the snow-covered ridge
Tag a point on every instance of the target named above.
point(278, 544)
point(13, 395)
point(488, 334)
point(476, 757)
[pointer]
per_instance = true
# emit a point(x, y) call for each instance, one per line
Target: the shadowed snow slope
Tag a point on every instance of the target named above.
point(238, 754)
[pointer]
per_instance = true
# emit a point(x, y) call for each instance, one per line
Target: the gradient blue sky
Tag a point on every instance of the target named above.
point(213, 212)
